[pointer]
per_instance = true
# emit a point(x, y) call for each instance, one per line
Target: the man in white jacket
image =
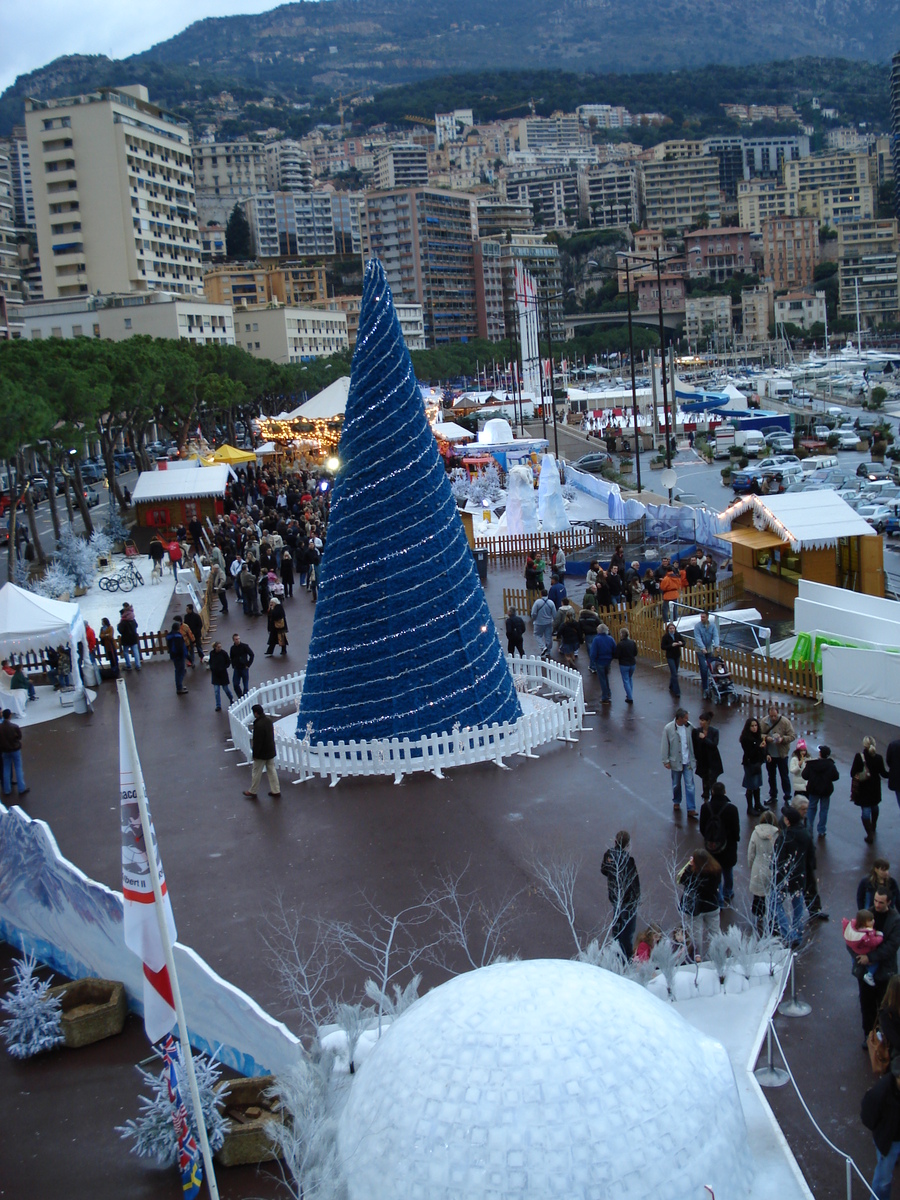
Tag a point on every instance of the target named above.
point(677, 753)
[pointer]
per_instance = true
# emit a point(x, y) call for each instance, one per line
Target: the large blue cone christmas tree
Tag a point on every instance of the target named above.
point(403, 644)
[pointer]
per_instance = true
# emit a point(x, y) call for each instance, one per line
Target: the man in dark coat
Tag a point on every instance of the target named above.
point(720, 827)
point(219, 663)
point(178, 655)
point(262, 747)
point(880, 1112)
point(624, 887)
point(603, 651)
point(792, 862)
point(884, 956)
point(241, 662)
point(821, 775)
point(515, 631)
point(892, 762)
point(194, 622)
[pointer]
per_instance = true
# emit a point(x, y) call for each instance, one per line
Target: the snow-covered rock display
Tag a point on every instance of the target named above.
point(544, 1078)
point(496, 432)
point(551, 506)
point(521, 510)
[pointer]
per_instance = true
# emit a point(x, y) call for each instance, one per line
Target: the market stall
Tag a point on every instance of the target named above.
point(29, 622)
point(164, 500)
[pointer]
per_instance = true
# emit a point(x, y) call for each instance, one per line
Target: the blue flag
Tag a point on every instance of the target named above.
point(188, 1152)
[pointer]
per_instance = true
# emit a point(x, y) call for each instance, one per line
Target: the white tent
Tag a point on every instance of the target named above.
point(31, 622)
point(331, 402)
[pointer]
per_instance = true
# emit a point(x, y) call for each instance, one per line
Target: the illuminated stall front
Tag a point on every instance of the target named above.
point(777, 540)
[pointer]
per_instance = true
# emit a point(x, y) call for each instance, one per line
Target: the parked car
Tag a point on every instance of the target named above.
point(778, 460)
point(39, 488)
point(91, 473)
point(594, 463)
point(822, 431)
point(892, 526)
point(847, 439)
point(92, 496)
point(866, 421)
point(873, 471)
point(781, 443)
point(691, 499)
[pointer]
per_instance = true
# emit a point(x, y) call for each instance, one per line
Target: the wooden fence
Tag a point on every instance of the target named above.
point(646, 624)
point(517, 545)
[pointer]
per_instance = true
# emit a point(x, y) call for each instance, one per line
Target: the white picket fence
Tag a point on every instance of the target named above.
point(558, 716)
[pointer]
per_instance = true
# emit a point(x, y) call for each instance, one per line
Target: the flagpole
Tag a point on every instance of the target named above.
point(166, 942)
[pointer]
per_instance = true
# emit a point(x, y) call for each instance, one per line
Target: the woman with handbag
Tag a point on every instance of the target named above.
point(866, 773)
point(276, 622)
point(700, 879)
point(753, 745)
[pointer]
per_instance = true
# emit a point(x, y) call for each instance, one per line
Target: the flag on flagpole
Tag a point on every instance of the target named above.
point(142, 933)
point(188, 1152)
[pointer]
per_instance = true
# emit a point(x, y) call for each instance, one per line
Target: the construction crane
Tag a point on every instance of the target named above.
point(531, 103)
point(420, 120)
point(341, 105)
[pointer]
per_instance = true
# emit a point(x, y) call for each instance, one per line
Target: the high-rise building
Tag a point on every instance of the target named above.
point(708, 318)
point(757, 312)
point(832, 187)
point(496, 261)
point(402, 165)
point(549, 191)
point(496, 218)
point(288, 167)
point(790, 251)
point(424, 239)
point(868, 266)
point(608, 195)
point(288, 334)
point(680, 189)
point(717, 253)
point(10, 280)
point(761, 199)
point(225, 174)
point(345, 208)
point(113, 195)
point(290, 224)
point(20, 171)
point(895, 128)
point(538, 133)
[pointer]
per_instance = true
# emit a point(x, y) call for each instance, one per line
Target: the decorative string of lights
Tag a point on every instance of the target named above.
point(739, 507)
point(403, 644)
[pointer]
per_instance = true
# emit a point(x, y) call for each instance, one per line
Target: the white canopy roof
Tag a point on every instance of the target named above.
point(29, 621)
point(181, 485)
point(451, 432)
point(810, 520)
point(265, 449)
point(331, 402)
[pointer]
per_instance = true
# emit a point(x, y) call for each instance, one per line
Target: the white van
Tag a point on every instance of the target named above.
point(819, 462)
point(753, 442)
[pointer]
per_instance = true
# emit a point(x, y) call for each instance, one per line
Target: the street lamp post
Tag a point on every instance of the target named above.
point(552, 398)
point(662, 360)
point(634, 404)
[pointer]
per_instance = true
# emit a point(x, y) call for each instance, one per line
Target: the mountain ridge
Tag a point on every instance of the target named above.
point(314, 47)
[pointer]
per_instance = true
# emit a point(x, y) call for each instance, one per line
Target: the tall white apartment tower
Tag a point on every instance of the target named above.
point(114, 198)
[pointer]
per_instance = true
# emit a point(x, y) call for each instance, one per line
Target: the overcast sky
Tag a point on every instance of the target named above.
point(34, 32)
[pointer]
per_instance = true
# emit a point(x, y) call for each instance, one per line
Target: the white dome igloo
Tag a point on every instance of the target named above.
point(539, 1079)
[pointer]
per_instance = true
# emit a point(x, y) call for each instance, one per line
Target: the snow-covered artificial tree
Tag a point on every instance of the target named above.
point(75, 556)
point(34, 1023)
point(115, 528)
point(56, 582)
point(100, 544)
point(486, 486)
point(153, 1133)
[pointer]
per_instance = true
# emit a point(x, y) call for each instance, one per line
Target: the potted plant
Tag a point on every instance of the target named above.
point(92, 1009)
point(251, 1116)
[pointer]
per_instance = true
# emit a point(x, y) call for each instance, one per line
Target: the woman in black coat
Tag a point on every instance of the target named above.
point(753, 745)
point(700, 899)
point(720, 827)
point(706, 752)
point(277, 626)
point(287, 572)
point(867, 772)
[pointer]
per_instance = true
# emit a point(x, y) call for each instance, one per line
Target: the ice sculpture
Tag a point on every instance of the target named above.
point(551, 508)
point(521, 510)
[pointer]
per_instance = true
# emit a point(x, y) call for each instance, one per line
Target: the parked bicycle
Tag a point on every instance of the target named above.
point(126, 579)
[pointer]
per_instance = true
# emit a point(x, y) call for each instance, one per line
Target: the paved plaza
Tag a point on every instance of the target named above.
point(327, 849)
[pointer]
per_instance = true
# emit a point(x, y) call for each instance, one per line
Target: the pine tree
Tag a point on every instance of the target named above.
point(238, 243)
point(115, 528)
point(34, 1023)
point(403, 643)
point(57, 581)
point(153, 1132)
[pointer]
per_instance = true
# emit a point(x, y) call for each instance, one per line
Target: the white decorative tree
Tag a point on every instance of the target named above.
point(75, 556)
point(34, 1023)
point(153, 1132)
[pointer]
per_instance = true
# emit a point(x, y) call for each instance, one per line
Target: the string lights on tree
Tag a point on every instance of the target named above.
point(403, 644)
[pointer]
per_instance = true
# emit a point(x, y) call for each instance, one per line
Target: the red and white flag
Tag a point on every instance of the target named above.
point(142, 934)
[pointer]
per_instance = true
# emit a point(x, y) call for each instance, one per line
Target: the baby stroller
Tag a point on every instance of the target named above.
point(721, 685)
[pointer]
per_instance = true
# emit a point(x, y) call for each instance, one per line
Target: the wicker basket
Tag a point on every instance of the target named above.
point(249, 1138)
point(92, 1009)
